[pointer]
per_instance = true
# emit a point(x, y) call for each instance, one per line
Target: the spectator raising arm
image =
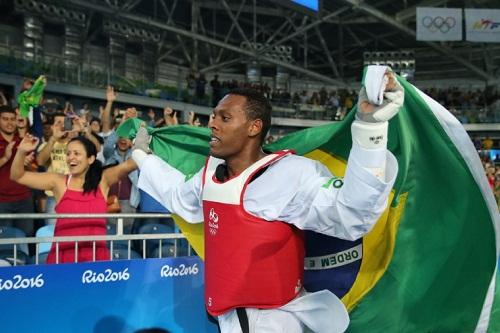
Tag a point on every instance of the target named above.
point(81, 126)
point(170, 116)
point(106, 112)
point(3, 100)
point(68, 109)
point(36, 180)
point(110, 143)
point(191, 118)
point(44, 154)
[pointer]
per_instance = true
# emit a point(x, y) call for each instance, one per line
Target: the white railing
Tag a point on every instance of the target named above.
point(17, 242)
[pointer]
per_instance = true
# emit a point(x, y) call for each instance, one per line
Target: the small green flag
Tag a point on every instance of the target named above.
point(31, 97)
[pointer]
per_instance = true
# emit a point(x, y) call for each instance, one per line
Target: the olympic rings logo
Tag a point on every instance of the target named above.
point(212, 216)
point(443, 24)
point(213, 222)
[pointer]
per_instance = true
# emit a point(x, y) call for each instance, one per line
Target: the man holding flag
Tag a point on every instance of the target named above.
point(256, 205)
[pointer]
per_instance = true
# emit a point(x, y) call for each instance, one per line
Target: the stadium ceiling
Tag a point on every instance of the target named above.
point(213, 35)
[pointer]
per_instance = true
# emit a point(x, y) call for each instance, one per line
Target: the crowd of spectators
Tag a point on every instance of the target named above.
point(489, 154)
point(492, 171)
point(98, 126)
point(338, 103)
point(457, 98)
point(468, 105)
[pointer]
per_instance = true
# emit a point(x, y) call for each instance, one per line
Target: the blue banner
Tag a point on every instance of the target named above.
point(110, 296)
point(311, 4)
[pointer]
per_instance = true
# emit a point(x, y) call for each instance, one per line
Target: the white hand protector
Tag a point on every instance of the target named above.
point(379, 100)
point(142, 140)
point(393, 101)
point(375, 83)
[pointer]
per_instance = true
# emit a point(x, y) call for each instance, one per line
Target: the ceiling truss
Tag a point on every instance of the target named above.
point(328, 48)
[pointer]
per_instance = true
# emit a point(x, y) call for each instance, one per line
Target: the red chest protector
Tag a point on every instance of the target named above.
point(249, 262)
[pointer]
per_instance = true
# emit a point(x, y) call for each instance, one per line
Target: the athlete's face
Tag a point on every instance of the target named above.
point(230, 127)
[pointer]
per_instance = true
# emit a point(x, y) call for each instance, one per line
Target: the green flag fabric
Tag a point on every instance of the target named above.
point(430, 263)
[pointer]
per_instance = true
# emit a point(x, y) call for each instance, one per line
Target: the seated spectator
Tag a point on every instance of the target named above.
point(216, 90)
point(151, 118)
point(487, 143)
point(333, 102)
point(200, 83)
point(490, 175)
point(323, 96)
point(83, 190)
point(286, 97)
point(303, 97)
point(191, 85)
point(314, 99)
point(349, 102)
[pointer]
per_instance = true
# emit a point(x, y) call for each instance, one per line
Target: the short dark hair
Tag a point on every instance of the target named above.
point(257, 107)
point(52, 118)
point(95, 119)
point(7, 109)
point(58, 114)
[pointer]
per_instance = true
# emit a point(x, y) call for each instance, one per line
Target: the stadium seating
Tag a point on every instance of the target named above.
point(111, 230)
point(153, 245)
point(122, 254)
point(45, 231)
point(7, 250)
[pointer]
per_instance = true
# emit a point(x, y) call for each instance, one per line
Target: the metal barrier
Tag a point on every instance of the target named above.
point(119, 237)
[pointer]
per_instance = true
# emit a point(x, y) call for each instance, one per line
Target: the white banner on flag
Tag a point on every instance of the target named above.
point(483, 25)
point(439, 23)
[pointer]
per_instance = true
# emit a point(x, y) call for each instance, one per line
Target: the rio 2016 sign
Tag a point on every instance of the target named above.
point(109, 296)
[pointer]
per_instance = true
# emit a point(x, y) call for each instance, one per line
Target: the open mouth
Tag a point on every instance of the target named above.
point(214, 140)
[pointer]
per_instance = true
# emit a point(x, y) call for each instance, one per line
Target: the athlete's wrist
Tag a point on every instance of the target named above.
point(369, 135)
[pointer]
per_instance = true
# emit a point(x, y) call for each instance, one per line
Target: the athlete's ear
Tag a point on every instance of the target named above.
point(255, 127)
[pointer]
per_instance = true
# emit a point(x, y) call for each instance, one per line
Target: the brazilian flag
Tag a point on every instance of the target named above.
point(430, 262)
